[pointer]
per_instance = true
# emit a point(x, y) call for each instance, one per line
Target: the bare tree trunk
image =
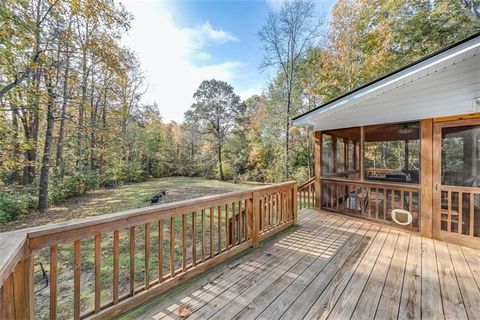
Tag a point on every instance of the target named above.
point(287, 138)
point(16, 146)
point(220, 167)
point(44, 172)
point(63, 114)
point(81, 111)
point(93, 125)
point(102, 141)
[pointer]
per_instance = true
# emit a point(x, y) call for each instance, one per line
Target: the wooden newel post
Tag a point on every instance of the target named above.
point(294, 203)
point(253, 210)
point(23, 289)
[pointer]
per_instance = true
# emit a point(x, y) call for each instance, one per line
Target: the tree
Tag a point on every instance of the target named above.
point(215, 110)
point(286, 36)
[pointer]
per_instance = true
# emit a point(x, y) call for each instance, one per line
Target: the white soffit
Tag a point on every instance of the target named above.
point(445, 84)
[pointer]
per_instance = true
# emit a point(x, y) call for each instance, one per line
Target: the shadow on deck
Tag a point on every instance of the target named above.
point(332, 267)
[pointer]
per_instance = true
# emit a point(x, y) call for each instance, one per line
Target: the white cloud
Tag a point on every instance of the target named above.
point(204, 56)
point(166, 52)
point(205, 33)
point(245, 94)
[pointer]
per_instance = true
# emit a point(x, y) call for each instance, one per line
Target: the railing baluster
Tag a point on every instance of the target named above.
point(460, 213)
point(203, 235)
point(184, 242)
point(402, 199)
point(116, 265)
point(147, 256)
point(384, 204)
point(393, 199)
point(194, 238)
point(160, 251)
point(227, 228)
point(410, 201)
point(337, 201)
point(280, 207)
point(260, 214)
point(212, 254)
point(472, 206)
point(376, 202)
point(277, 209)
point(53, 282)
point(76, 279)
point(234, 225)
point(449, 208)
point(132, 260)
point(172, 247)
point(240, 238)
point(219, 222)
point(270, 211)
point(98, 271)
point(274, 210)
point(308, 199)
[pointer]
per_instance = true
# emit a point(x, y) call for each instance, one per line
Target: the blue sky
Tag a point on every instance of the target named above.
point(181, 43)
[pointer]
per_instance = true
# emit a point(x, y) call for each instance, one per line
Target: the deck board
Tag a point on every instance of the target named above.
point(332, 267)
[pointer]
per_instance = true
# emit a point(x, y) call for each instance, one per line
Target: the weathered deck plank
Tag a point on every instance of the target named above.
point(332, 267)
point(392, 290)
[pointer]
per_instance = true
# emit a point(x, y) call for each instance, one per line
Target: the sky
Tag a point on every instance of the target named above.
point(181, 43)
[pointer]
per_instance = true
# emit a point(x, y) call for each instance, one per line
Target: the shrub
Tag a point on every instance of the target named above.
point(76, 184)
point(228, 172)
point(132, 172)
point(15, 202)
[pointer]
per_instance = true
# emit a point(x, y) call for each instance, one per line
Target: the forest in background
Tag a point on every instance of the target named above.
point(71, 117)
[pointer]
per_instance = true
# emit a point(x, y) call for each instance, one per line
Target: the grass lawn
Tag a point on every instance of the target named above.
point(130, 196)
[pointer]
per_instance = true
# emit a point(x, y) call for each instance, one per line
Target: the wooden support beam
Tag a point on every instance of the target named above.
point(318, 170)
point(334, 155)
point(426, 177)
point(362, 143)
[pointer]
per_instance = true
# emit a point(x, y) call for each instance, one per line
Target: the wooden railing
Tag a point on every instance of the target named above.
point(459, 210)
point(371, 200)
point(306, 194)
point(125, 258)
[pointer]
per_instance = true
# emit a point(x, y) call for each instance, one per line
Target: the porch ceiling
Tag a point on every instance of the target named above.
point(444, 84)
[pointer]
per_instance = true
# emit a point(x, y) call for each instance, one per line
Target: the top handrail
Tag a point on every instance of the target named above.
point(306, 183)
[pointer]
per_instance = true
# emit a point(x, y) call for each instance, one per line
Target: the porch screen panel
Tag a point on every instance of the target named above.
point(460, 180)
point(392, 153)
point(340, 153)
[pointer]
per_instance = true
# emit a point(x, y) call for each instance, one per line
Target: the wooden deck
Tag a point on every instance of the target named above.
point(332, 267)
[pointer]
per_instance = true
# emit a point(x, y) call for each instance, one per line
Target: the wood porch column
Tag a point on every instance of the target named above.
point(362, 142)
point(426, 177)
point(318, 170)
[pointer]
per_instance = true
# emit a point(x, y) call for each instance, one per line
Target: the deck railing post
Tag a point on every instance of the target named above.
point(23, 290)
point(294, 203)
